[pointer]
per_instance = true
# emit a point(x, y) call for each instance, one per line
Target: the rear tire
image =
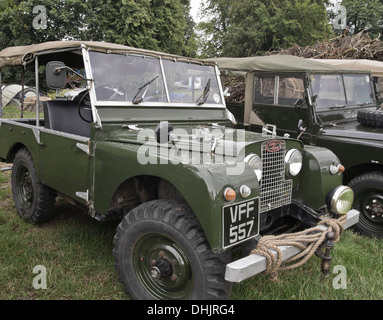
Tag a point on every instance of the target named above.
point(34, 201)
point(162, 253)
point(368, 190)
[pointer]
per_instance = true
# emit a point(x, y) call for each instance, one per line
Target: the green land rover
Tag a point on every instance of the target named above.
point(149, 141)
point(322, 105)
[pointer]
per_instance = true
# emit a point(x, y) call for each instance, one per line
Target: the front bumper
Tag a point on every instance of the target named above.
point(254, 264)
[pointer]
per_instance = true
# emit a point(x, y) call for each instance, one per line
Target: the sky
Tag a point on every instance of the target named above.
point(195, 4)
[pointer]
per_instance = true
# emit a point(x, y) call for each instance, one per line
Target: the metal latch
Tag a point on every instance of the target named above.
point(266, 129)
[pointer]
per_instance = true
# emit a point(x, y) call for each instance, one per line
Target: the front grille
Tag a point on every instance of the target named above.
point(275, 191)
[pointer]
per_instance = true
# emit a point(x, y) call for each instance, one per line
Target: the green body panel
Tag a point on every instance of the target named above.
point(350, 137)
point(65, 167)
point(15, 135)
point(315, 175)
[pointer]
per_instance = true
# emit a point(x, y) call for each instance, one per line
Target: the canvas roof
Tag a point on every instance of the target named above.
point(275, 63)
point(20, 55)
point(376, 67)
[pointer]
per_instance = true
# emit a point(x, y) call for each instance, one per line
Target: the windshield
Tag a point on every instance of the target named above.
point(339, 91)
point(137, 79)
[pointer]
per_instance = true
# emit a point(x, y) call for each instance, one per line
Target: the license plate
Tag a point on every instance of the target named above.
point(240, 222)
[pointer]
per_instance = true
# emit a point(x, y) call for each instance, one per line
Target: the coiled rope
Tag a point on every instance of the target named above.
point(308, 240)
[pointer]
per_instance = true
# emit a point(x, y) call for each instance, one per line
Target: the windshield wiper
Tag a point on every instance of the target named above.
point(336, 106)
point(139, 98)
point(205, 94)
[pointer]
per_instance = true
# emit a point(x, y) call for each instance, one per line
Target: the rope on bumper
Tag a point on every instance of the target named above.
point(308, 240)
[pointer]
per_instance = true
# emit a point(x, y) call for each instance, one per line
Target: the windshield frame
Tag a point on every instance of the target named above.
point(346, 106)
point(168, 103)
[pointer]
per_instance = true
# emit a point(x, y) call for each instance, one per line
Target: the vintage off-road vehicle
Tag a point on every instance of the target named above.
point(322, 105)
point(150, 141)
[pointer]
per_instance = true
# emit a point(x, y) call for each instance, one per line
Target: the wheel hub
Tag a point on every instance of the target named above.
point(162, 269)
point(374, 207)
point(24, 187)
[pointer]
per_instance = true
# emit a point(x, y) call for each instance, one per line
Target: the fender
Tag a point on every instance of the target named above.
point(11, 135)
point(315, 180)
point(200, 185)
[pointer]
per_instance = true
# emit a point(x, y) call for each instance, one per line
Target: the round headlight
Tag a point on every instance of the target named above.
point(340, 200)
point(256, 163)
point(293, 161)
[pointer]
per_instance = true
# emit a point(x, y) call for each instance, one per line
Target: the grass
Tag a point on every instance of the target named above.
point(76, 251)
point(12, 111)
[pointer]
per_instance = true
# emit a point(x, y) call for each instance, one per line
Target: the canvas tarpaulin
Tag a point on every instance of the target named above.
point(274, 63)
point(376, 67)
point(21, 55)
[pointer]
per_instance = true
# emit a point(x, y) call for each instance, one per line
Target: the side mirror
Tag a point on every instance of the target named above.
point(55, 75)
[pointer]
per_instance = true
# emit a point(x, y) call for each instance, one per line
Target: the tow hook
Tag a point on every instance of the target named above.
point(327, 246)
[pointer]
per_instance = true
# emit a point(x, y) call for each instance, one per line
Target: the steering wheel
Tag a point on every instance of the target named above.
point(85, 99)
point(111, 90)
point(115, 89)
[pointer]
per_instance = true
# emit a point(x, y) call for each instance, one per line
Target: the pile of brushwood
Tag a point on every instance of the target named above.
point(358, 46)
point(236, 88)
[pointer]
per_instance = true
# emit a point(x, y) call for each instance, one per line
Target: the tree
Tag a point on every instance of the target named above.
point(19, 25)
point(364, 15)
point(151, 24)
point(213, 28)
point(248, 27)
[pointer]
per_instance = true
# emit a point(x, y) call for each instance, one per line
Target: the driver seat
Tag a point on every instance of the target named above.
point(61, 115)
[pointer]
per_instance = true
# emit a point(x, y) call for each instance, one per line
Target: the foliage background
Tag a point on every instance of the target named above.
point(227, 27)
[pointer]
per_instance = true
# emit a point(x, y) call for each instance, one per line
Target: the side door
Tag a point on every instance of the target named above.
point(66, 165)
point(279, 99)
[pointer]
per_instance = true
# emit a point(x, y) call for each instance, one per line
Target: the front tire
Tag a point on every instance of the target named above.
point(34, 201)
point(162, 253)
point(368, 190)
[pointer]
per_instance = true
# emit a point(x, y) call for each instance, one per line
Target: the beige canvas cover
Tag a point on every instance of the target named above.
point(376, 67)
point(21, 55)
point(275, 63)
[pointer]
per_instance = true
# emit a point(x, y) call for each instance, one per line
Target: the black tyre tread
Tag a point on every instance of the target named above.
point(371, 118)
point(45, 196)
point(181, 217)
point(370, 178)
